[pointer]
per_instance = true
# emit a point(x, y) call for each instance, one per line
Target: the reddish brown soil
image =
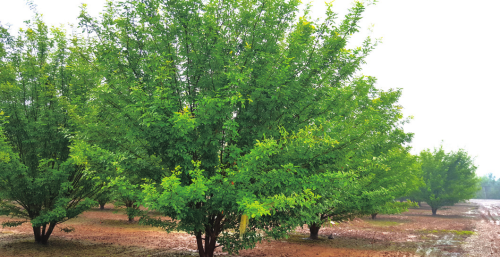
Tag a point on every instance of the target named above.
point(415, 233)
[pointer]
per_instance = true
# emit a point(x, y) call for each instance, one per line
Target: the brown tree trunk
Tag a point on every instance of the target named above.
point(36, 232)
point(314, 230)
point(101, 206)
point(42, 234)
point(48, 233)
point(374, 215)
point(434, 210)
point(211, 235)
point(419, 204)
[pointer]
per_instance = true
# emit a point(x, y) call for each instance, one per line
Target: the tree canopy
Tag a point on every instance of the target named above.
point(38, 179)
point(231, 110)
point(449, 177)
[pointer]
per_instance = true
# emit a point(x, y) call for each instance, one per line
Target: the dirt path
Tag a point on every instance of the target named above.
point(415, 233)
point(486, 241)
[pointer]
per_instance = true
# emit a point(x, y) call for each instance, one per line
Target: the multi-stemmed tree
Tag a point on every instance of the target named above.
point(39, 74)
point(188, 87)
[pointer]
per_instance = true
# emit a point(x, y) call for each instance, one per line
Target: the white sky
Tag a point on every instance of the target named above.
point(444, 54)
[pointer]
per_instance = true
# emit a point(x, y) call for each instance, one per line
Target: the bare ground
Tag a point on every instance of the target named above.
point(415, 233)
point(486, 242)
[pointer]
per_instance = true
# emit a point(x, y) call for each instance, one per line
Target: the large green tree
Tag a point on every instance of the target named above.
point(188, 87)
point(38, 179)
point(449, 177)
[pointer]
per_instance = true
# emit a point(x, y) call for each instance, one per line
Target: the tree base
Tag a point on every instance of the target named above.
point(42, 234)
point(314, 231)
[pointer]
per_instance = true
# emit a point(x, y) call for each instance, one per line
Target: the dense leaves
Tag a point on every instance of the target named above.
point(38, 179)
point(188, 87)
point(449, 177)
point(238, 120)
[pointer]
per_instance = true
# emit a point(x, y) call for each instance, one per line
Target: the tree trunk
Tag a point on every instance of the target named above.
point(314, 230)
point(419, 204)
point(36, 232)
point(434, 210)
point(374, 215)
point(129, 204)
point(101, 206)
point(211, 235)
point(42, 234)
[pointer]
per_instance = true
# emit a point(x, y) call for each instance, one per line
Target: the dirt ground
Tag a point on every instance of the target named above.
point(466, 229)
point(486, 242)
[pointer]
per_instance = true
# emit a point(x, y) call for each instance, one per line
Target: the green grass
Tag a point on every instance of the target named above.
point(456, 232)
point(382, 223)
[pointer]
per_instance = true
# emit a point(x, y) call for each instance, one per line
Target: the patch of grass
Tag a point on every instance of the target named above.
point(456, 232)
point(383, 223)
point(354, 243)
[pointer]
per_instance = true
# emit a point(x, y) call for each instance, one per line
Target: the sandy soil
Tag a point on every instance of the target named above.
point(415, 233)
point(486, 242)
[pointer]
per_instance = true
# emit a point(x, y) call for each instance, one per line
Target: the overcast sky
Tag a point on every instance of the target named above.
point(444, 54)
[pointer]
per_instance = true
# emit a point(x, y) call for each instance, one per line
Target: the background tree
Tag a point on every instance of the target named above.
point(383, 170)
point(104, 197)
point(378, 122)
point(490, 188)
point(449, 177)
point(38, 179)
point(128, 195)
point(399, 173)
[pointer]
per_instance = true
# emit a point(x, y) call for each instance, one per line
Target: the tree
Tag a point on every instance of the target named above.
point(400, 174)
point(128, 195)
point(38, 179)
point(449, 177)
point(105, 196)
point(490, 188)
point(188, 87)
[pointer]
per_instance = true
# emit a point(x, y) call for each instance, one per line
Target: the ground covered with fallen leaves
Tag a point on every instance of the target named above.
point(466, 229)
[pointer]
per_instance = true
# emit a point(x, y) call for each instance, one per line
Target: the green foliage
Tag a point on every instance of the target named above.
point(105, 196)
point(490, 188)
point(449, 177)
point(218, 114)
point(398, 172)
point(38, 179)
point(12, 223)
point(227, 110)
point(234, 109)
